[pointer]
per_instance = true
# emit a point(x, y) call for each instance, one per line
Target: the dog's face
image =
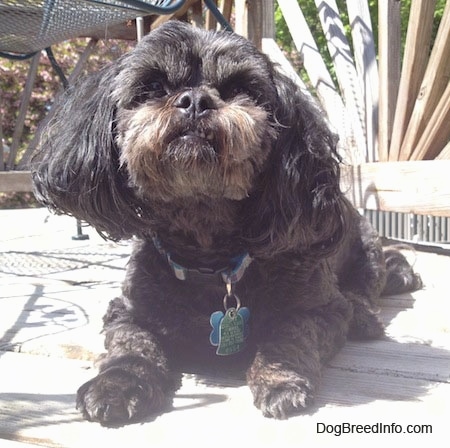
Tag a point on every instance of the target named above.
point(194, 114)
point(194, 117)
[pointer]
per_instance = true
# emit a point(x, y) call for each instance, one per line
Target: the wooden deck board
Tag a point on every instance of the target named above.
point(49, 335)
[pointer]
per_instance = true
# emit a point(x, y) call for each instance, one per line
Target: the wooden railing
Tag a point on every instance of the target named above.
point(392, 115)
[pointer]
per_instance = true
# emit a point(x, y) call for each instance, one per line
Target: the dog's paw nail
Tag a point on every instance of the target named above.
point(101, 412)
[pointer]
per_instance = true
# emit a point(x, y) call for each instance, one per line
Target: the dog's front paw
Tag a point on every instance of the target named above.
point(117, 397)
point(281, 393)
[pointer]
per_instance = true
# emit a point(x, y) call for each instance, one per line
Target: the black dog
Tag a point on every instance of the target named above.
point(228, 177)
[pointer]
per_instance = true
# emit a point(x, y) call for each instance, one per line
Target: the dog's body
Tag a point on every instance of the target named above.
point(228, 177)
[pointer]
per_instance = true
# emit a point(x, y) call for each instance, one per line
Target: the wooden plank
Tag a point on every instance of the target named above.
point(38, 406)
point(374, 394)
point(319, 77)
point(249, 20)
point(367, 68)
point(32, 384)
point(15, 181)
point(268, 19)
point(226, 7)
point(197, 14)
point(437, 131)
point(417, 48)
point(241, 17)
point(419, 187)
point(382, 357)
point(210, 20)
point(434, 83)
point(313, 62)
point(389, 70)
point(255, 22)
point(349, 83)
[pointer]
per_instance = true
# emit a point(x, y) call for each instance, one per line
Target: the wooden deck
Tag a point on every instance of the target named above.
point(53, 292)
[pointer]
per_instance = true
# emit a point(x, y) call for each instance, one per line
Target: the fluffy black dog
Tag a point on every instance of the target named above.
point(247, 252)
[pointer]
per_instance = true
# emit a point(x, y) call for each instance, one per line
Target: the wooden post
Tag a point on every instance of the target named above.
point(349, 84)
point(268, 19)
point(319, 76)
point(197, 14)
point(415, 60)
point(389, 70)
point(255, 22)
point(434, 83)
point(249, 20)
point(226, 7)
point(240, 13)
point(437, 131)
point(367, 69)
point(210, 20)
point(15, 181)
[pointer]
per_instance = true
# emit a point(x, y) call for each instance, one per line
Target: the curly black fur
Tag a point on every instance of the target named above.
point(196, 137)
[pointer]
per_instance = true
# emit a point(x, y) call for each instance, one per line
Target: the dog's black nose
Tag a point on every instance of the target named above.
point(195, 103)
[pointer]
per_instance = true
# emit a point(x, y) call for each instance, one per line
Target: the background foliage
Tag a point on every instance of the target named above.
point(13, 76)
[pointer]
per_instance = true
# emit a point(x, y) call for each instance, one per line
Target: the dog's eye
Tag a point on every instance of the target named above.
point(156, 88)
point(147, 91)
point(230, 92)
point(238, 90)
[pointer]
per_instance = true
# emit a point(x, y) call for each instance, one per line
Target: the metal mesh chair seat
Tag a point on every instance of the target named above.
point(32, 25)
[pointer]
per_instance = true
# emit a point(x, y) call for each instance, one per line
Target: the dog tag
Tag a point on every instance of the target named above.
point(230, 330)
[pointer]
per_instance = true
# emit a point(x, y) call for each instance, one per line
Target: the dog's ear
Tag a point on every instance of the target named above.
point(300, 204)
point(76, 169)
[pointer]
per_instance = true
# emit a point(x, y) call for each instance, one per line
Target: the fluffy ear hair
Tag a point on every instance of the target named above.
point(76, 169)
point(300, 206)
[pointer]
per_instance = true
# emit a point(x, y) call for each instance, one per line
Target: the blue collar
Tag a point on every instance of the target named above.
point(228, 275)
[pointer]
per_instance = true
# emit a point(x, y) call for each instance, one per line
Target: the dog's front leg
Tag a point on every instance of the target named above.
point(134, 379)
point(287, 367)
